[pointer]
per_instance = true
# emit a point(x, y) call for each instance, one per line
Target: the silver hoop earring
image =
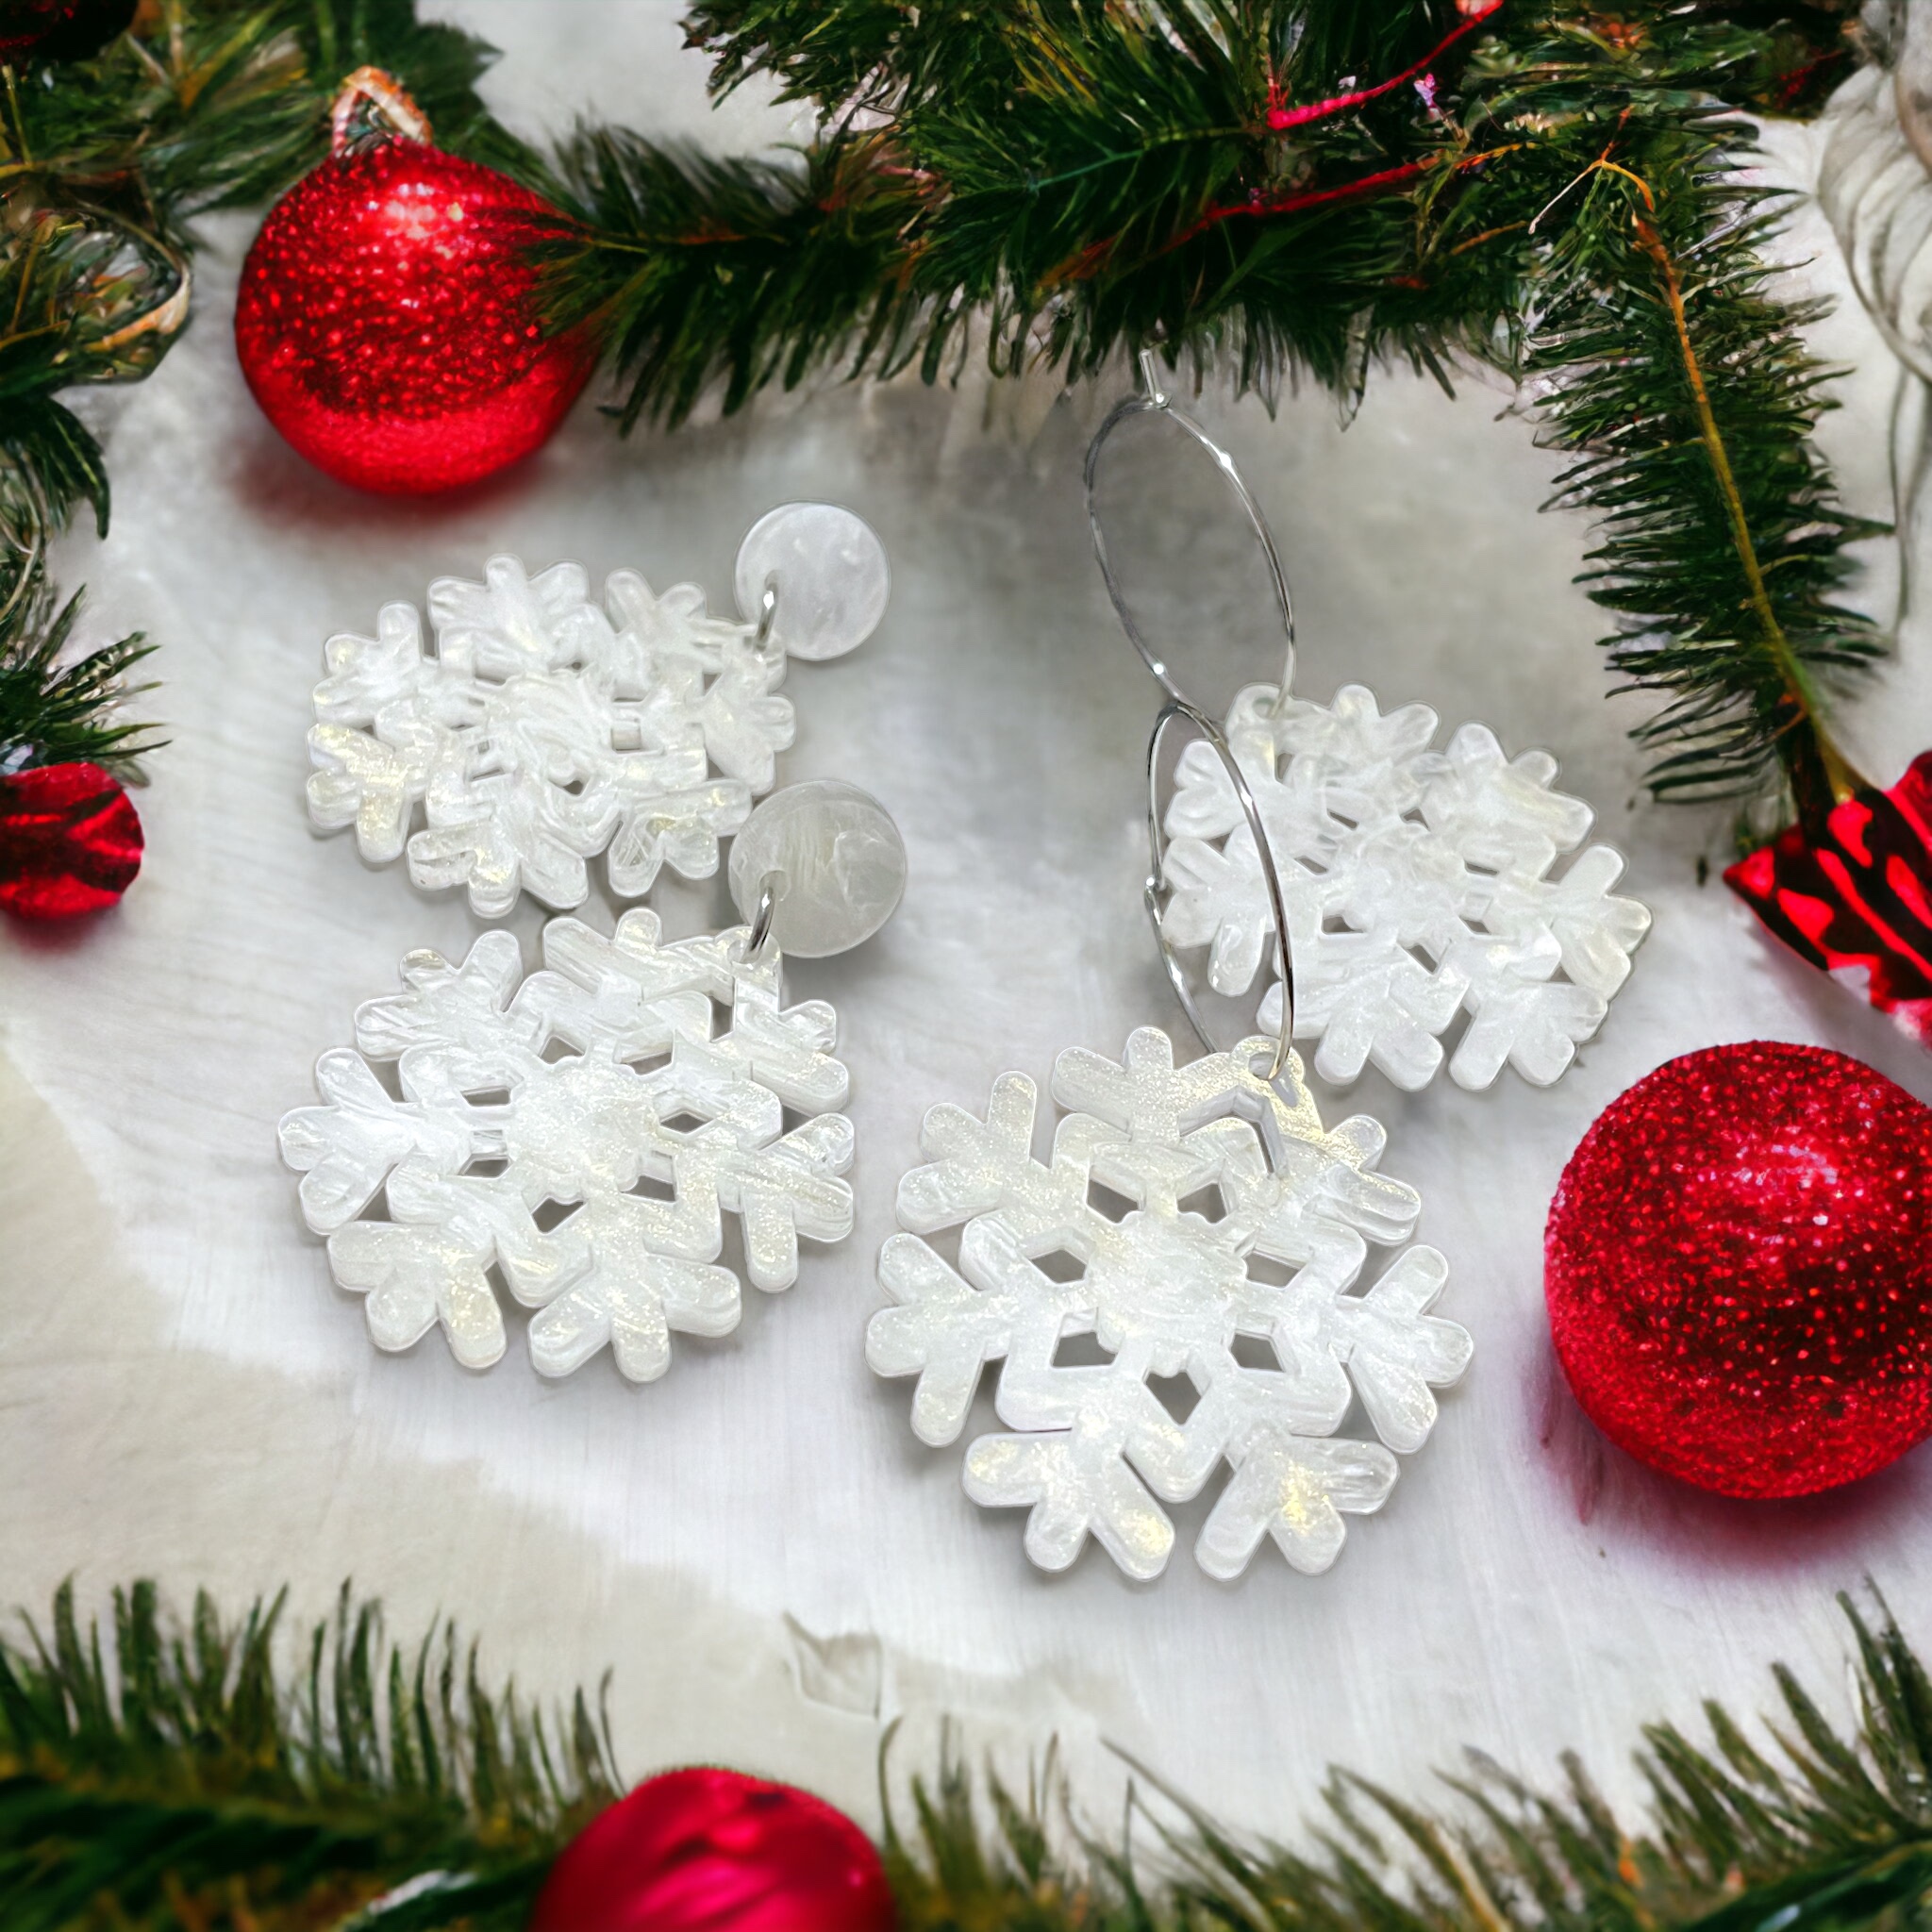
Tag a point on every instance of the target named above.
point(1435, 863)
point(1195, 1225)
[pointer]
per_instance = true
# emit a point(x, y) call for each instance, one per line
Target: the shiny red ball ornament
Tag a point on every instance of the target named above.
point(70, 841)
point(713, 1851)
point(1739, 1270)
point(59, 30)
point(388, 320)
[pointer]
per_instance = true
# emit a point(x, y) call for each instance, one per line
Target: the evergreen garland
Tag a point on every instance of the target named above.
point(1311, 188)
point(179, 1778)
point(1284, 189)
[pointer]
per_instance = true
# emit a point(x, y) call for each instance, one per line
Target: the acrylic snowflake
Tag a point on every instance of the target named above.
point(1190, 1219)
point(1417, 887)
point(581, 1136)
point(543, 729)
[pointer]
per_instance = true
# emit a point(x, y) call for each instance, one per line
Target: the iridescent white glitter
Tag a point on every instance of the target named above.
point(1417, 887)
point(583, 1134)
point(1213, 1174)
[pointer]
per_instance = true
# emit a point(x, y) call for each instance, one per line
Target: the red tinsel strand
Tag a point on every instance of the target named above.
point(1857, 904)
point(1297, 200)
point(1282, 117)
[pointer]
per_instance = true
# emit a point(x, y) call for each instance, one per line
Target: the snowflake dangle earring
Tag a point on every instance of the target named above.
point(578, 1136)
point(1196, 1227)
point(545, 728)
point(1416, 881)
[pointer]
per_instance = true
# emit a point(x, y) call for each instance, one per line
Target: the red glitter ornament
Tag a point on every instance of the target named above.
point(1739, 1270)
point(713, 1851)
point(1858, 903)
point(70, 841)
point(388, 320)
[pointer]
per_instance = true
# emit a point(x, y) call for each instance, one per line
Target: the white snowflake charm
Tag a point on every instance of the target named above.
point(579, 1136)
point(1190, 1219)
point(1416, 883)
point(545, 728)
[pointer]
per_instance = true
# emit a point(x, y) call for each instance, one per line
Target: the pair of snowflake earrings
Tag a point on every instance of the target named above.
point(579, 1134)
point(1198, 1224)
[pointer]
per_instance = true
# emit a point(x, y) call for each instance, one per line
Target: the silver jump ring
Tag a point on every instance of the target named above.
point(1271, 877)
point(768, 611)
point(1153, 400)
point(760, 933)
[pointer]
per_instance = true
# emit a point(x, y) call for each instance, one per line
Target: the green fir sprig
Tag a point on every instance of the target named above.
point(1295, 189)
point(191, 1778)
point(1284, 190)
point(57, 707)
point(233, 1777)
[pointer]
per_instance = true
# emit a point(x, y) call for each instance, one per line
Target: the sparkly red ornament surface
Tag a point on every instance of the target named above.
point(70, 841)
point(1858, 903)
point(1739, 1270)
point(712, 1851)
point(388, 320)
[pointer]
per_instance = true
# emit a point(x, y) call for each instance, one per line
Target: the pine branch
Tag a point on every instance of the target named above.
point(1313, 189)
point(56, 710)
point(176, 1781)
point(185, 1777)
point(697, 273)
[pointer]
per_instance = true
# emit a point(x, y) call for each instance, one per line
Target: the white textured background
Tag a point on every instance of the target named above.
point(183, 1392)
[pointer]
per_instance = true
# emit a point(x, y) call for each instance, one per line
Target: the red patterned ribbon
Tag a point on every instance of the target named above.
point(1859, 904)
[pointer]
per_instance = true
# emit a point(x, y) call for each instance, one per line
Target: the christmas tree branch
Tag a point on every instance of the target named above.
point(56, 708)
point(178, 1779)
point(1282, 188)
point(1311, 188)
point(221, 1776)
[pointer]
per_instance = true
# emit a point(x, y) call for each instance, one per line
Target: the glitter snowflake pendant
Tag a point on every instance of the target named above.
point(579, 1135)
point(1417, 888)
point(545, 728)
point(1190, 1219)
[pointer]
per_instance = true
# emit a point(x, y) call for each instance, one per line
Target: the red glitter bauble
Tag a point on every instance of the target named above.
point(69, 841)
point(1739, 1270)
point(59, 30)
point(387, 320)
point(712, 1851)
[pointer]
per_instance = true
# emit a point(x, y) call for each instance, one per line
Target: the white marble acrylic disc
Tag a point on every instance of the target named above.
point(836, 864)
point(832, 577)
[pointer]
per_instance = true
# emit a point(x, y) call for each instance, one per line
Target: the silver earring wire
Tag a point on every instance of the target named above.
point(755, 939)
point(1153, 400)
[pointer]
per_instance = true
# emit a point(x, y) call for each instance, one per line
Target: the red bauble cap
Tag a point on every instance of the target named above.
point(70, 840)
point(714, 1851)
point(1739, 1270)
point(388, 320)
